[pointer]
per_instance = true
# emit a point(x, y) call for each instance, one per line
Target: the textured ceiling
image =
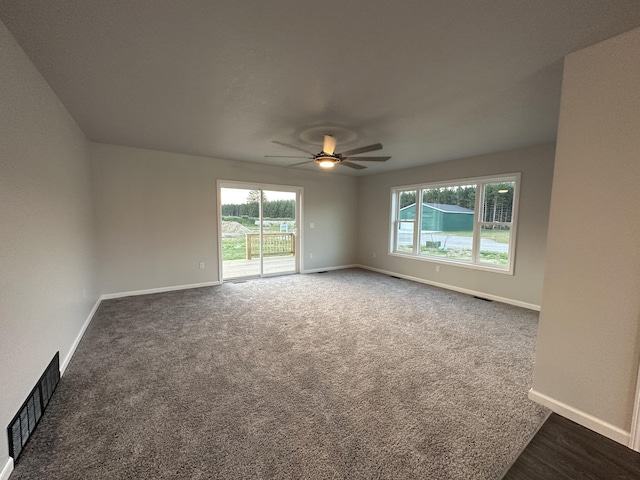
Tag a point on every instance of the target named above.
point(431, 80)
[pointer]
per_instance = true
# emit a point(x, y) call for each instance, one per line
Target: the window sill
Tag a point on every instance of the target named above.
point(456, 263)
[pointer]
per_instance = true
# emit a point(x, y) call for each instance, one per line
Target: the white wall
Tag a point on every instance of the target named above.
point(157, 215)
point(525, 286)
point(46, 230)
point(588, 345)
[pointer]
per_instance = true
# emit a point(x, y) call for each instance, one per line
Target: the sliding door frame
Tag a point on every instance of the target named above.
point(299, 191)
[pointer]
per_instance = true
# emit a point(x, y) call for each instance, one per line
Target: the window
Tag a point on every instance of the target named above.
point(468, 222)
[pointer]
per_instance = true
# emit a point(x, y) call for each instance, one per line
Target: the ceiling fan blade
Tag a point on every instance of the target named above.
point(293, 146)
point(284, 156)
point(369, 159)
point(352, 165)
point(329, 145)
point(301, 163)
point(368, 148)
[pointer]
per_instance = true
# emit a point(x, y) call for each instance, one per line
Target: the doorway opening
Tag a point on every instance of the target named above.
point(259, 230)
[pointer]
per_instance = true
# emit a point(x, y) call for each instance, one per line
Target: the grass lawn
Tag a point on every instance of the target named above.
point(234, 248)
point(499, 236)
point(496, 258)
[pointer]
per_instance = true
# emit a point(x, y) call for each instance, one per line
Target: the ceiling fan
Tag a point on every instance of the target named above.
point(327, 158)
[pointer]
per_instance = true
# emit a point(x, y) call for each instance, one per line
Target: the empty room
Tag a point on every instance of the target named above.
point(301, 239)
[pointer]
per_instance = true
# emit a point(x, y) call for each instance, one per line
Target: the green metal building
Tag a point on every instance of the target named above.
point(438, 217)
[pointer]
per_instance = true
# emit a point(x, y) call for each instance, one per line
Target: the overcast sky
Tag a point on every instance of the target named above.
point(238, 195)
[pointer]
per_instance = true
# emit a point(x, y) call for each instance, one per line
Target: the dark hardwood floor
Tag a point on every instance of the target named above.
point(563, 449)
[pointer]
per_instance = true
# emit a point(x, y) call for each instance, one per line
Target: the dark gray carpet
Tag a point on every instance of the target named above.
point(346, 374)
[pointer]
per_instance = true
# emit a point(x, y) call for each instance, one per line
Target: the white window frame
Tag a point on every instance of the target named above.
point(479, 183)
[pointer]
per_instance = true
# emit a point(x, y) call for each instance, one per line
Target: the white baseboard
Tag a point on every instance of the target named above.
point(7, 469)
point(67, 359)
point(583, 418)
point(634, 438)
point(150, 291)
point(326, 269)
point(509, 301)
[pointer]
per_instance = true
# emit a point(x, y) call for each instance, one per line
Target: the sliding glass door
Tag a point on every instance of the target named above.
point(259, 231)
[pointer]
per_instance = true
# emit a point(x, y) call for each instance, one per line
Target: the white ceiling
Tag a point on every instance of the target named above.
point(432, 80)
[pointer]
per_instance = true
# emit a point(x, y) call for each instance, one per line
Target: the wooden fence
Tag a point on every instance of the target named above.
point(272, 244)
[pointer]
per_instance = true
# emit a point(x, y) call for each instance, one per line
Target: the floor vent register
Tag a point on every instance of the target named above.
point(25, 421)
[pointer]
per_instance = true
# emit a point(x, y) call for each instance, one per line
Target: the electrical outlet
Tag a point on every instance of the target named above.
point(311, 255)
point(374, 254)
point(437, 268)
point(201, 265)
point(312, 225)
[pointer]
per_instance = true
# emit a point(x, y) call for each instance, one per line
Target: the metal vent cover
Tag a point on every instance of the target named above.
point(29, 414)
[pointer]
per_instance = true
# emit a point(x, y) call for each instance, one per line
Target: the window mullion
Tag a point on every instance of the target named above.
point(478, 215)
point(395, 220)
point(417, 228)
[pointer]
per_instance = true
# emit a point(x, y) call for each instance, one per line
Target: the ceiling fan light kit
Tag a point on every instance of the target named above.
point(325, 161)
point(327, 158)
